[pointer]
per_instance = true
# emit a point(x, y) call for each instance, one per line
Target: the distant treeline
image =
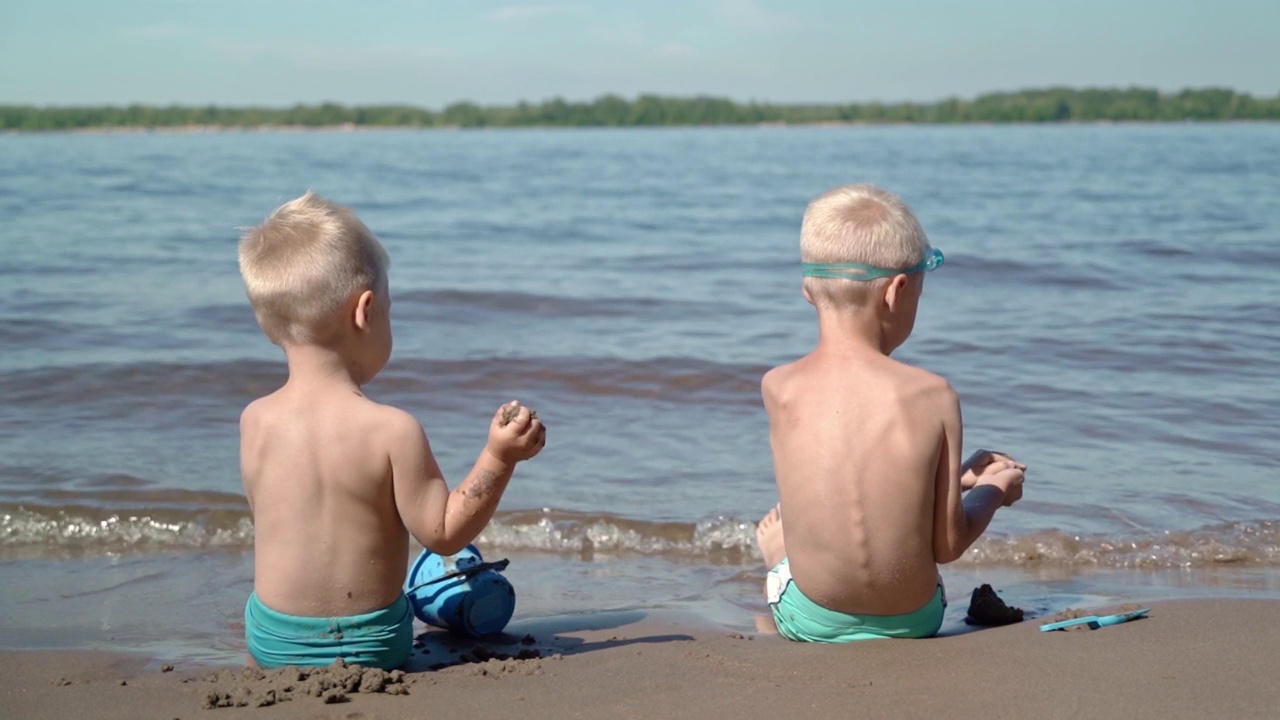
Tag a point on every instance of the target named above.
point(1028, 106)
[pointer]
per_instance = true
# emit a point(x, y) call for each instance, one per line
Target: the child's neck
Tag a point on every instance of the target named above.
point(312, 365)
point(851, 331)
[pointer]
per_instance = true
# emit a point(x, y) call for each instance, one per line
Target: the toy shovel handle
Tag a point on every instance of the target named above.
point(1122, 617)
point(498, 565)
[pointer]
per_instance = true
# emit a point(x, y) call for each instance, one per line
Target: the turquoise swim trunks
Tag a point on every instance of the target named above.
point(382, 638)
point(799, 618)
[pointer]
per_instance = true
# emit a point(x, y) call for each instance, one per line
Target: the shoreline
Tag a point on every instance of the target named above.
point(353, 128)
point(1189, 658)
point(186, 608)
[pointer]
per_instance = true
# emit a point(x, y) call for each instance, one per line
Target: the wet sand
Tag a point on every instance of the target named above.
point(1188, 659)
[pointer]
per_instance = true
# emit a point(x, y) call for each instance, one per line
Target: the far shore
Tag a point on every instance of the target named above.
point(353, 128)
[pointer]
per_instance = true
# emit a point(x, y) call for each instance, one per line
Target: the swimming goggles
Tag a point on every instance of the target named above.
point(857, 271)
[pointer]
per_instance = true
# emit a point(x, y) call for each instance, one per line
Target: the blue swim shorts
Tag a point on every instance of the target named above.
point(382, 638)
point(799, 618)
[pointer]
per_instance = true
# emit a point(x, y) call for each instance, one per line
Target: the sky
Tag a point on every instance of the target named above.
point(431, 53)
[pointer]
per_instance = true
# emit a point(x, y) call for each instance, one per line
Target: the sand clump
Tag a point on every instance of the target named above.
point(510, 412)
point(987, 609)
point(252, 687)
point(492, 662)
point(481, 653)
point(497, 667)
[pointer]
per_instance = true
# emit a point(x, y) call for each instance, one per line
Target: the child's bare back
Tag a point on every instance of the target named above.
point(855, 438)
point(316, 468)
point(337, 483)
point(866, 449)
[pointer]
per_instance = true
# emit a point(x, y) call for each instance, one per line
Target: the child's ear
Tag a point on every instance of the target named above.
point(893, 291)
point(363, 313)
point(804, 288)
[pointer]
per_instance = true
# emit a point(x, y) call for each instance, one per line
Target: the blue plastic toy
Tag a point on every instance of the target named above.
point(462, 592)
point(1094, 621)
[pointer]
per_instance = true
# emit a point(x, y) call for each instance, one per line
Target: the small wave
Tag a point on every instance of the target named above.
point(1238, 543)
point(111, 390)
point(47, 532)
point(511, 303)
point(1154, 248)
point(681, 380)
point(42, 333)
point(721, 539)
point(726, 538)
point(234, 317)
point(1060, 275)
point(468, 306)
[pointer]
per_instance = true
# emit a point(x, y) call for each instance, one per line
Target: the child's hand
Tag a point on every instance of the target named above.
point(1012, 495)
point(515, 434)
point(979, 462)
point(1007, 475)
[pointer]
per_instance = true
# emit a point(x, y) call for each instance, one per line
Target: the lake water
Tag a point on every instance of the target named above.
point(1109, 312)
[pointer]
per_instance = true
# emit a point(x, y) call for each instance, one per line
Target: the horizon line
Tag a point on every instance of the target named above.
point(657, 95)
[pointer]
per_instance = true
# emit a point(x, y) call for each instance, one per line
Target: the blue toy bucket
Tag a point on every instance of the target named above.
point(462, 592)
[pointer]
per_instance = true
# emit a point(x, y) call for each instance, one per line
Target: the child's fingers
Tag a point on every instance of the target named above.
point(522, 420)
point(513, 414)
point(537, 439)
point(530, 433)
point(505, 413)
point(979, 459)
point(1008, 473)
point(1013, 496)
point(1007, 458)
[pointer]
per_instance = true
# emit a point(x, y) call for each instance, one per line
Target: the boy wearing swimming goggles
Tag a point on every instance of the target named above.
point(866, 448)
point(335, 481)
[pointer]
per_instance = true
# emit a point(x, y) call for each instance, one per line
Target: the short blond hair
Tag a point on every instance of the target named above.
point(858, 224)
point(303, 263)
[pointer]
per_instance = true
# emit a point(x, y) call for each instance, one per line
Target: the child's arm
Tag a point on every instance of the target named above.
point(442, 521)
point(959, 519)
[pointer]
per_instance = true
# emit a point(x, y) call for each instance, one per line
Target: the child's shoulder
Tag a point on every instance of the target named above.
point(396, 420)
point(257, 411)
point(389, 427)
point(917, 376)
point(887, 374)
point(383, 420)
point(775, 375)
point(914, 381)
point(356, 410)
point(777, 378)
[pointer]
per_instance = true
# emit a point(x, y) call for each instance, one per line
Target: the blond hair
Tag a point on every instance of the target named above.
point(303, 263)
point(858, 224)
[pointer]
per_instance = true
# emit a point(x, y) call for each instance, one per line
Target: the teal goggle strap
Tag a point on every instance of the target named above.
point(933, 259)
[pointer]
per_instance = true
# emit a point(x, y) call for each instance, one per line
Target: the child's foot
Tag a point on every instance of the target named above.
point(766, 625)
point(769, 537)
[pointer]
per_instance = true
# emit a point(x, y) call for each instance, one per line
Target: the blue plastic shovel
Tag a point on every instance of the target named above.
point(1094, 621)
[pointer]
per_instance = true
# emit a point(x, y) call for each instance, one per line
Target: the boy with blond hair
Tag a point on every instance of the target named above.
point(337, 483)
point(866, 449)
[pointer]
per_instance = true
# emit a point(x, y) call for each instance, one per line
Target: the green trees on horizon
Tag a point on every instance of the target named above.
point(1026, 106)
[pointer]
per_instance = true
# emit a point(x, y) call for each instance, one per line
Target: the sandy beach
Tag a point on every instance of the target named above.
point(1188, 659)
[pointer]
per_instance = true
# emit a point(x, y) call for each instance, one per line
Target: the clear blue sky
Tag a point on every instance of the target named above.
point(434, 52)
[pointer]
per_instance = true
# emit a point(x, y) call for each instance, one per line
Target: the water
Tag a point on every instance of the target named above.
point(1108, 312)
